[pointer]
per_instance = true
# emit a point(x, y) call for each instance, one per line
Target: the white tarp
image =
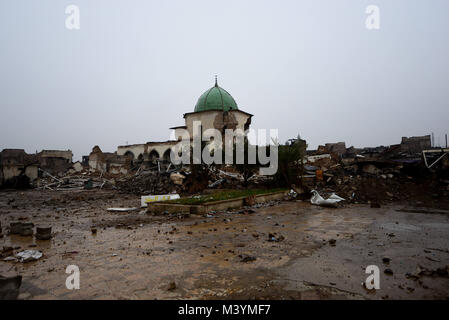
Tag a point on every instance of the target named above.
point(329, 202)
point(29, 255)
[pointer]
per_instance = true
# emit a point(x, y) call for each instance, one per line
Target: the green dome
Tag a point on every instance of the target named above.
point(216, 98)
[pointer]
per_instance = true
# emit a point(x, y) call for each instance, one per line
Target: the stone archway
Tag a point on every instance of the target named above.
point(166, 155)
point(129, 154)
point(153, 156)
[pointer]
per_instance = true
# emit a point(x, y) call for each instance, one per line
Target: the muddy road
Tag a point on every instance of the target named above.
point(285, 250)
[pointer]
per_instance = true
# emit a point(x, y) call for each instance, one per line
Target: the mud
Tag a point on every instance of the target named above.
point(318, 253)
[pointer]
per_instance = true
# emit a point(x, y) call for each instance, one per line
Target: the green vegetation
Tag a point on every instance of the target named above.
point(223, 195)
point(291, 162)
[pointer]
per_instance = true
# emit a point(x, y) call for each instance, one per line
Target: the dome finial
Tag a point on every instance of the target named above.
point(216, 81)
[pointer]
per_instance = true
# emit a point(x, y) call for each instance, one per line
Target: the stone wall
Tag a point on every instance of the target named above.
point(415, 144)
point(65, 154)
point(16, 162)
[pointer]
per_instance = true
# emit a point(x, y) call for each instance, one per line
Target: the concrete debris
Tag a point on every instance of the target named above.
point(426, 272)
point(43, 233)
point(312, 159)
point(144, 200)
point(172, 286)
point(388, 272)
point(21, 228)
point(121, 209)
point(15, 227)
point(177, 178)
point(150, 182)
point(246, 258)
point(216, 183)
point(273, 237)
point(292, 193)
point(93, 205)
point(249, 201)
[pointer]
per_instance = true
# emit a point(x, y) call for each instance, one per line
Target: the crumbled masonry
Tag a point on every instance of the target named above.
point(351, 208)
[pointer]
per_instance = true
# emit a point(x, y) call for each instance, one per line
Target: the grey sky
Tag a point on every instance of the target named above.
point(308, 67)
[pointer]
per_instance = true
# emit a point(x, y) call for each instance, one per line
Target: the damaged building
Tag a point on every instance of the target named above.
point(55, 162)
point(215, 108)
point(17, 168)
point(409, 147)
point(415, 144)
point(108, 162)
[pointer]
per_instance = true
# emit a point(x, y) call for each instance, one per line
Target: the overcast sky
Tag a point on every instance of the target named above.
point(134, 67)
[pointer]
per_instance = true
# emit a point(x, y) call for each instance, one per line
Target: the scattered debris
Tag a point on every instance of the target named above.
point(43, 233)
point(424, 272)
point(331, 201)
point(27, 229)
point(177, 178)
point(249, 201)
point(273, 238)
point(121, 209)
point(21, 228)
point(29, 255)
point(388, 272)
point(216, 183)
point(245, 258)
point(15, 227)
point(172, 286)
point(292, 193)
point(144, 200)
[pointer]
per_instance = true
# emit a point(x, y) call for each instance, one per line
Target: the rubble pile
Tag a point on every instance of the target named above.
point(149, 182)
point(375, 175)
point(83, 180)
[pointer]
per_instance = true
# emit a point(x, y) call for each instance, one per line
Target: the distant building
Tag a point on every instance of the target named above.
point(15, 165)
point(415, 144)
point(338, 148)
point(55, 162)
point(108, 162)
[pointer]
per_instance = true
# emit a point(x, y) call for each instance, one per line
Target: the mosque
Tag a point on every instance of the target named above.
point(215, 108)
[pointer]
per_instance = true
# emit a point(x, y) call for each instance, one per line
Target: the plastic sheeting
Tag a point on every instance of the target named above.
point(331, 201)
point(29, 255)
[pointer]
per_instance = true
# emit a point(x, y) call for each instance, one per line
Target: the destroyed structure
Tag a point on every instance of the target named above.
point(377, 174)
point(215, 108)
point(146, 168)
point(18, 168)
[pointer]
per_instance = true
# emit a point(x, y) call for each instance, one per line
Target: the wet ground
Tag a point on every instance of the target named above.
point(317, 253)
